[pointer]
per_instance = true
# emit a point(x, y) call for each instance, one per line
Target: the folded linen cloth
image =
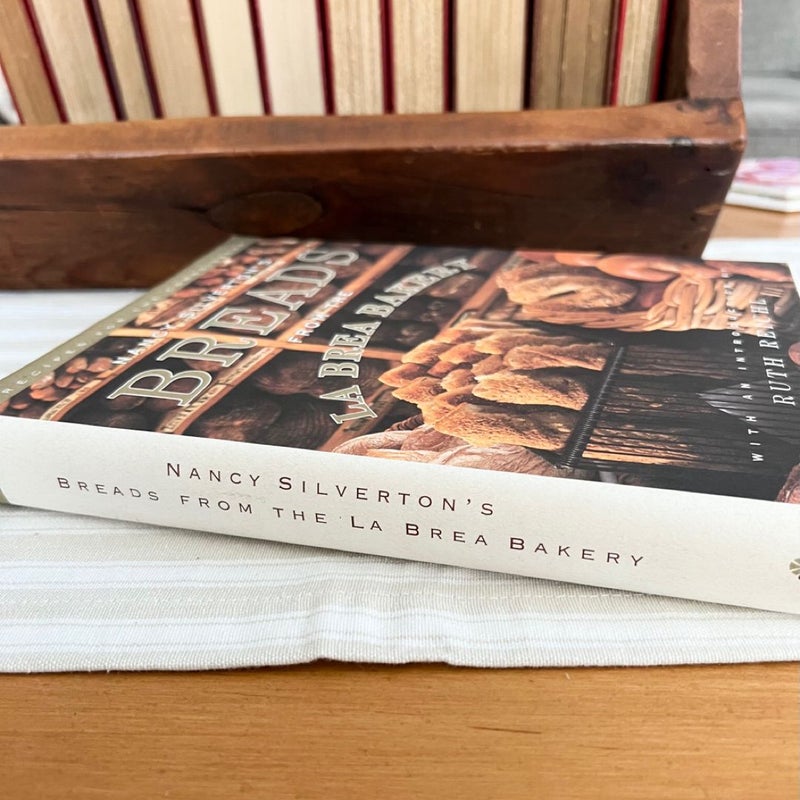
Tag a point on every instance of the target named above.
point(78, 593)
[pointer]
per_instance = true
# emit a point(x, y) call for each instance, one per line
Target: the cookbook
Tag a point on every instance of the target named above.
point(621, 420)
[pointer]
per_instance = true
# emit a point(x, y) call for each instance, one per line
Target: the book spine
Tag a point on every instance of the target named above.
point(357, 59)
point(172, 50)
point(617, 52)
point(547, 34)
point(691, 545)
point(490, 53)
point(76, 60)
point(598, 48)
point(582, 30)
point(118, 38)
point(658, 51)
point(418, 51)
point(289, 36)
point(228, 37)
point(25, 67)
point(638, 52)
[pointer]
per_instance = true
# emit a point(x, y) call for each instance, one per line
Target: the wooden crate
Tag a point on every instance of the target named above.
point(128, 203)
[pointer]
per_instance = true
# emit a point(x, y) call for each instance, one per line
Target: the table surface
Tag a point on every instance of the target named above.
point(331, 730)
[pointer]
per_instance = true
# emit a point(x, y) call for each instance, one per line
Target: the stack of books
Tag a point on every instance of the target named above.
point(769, 183)
point(103, 60)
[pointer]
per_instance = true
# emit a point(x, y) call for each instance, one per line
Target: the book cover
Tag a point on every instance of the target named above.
point(621, 420)
point(770, 183)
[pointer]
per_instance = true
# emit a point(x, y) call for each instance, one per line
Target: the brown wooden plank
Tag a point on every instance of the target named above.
point(99, 247)
point(423, 731)
point(714, 49)
point(703, 55)
point(527, 131)
point(649, 179)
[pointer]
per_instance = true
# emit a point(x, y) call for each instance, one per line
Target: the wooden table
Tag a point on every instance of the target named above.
point(330, 730)
point(740, 222)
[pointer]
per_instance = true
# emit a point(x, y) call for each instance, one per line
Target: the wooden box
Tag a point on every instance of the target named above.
point(128, 203)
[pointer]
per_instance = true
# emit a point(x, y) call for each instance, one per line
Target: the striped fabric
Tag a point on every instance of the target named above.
point(78, 593)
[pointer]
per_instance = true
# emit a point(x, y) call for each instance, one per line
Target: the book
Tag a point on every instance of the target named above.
point(25, 68)
point(585, 53)
point(76, 63)
point(640, 33)
point(355, 35)
point(122, 48)
point(769, 183)
point(621, 420)
point(173, 54)
point(489, 54)
point(291, 38)
point(230, 45)
point(547, 35)
point(419, 60)
point(571, 48)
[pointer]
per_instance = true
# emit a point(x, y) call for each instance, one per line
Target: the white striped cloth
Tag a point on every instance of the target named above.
point(78, 593)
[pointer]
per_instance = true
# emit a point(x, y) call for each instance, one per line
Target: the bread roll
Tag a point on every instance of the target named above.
point(546, 429)
point(401, 374)
point(541, 387)
point(419, 391)
point(570, 290)
point(588, 355)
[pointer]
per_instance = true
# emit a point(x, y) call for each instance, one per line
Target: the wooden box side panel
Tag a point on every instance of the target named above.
point(126, 204)
point(703, 50)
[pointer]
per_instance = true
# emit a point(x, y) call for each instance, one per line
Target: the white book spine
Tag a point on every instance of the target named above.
point(684, 544)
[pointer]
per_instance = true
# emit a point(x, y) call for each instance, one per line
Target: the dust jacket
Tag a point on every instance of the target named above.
point(620, 420)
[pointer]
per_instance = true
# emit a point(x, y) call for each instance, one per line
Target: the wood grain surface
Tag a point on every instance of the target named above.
point(330, 730)
point(740, 222)
point(703, 49)
point(649, 178)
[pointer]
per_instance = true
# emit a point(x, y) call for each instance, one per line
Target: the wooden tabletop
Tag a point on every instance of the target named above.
point(330, 730)
point(421, 731)
point(740, 222)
